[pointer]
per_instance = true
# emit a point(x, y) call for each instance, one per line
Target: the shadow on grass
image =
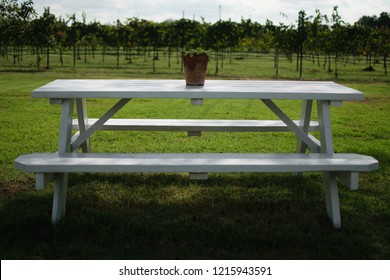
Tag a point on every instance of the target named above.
point(169, 217)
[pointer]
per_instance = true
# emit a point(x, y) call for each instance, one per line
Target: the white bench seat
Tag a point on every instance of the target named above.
point(197, 162)
point(49, 166)
point(195, 125)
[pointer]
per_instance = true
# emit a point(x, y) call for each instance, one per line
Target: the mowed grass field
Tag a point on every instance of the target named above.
point(167, 216)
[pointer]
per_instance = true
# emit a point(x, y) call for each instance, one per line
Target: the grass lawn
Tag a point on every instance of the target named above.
point(167, 216)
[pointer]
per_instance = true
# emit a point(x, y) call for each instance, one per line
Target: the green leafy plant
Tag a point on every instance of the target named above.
point(196, 51)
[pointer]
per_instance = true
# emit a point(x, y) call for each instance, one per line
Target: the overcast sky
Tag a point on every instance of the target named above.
point(108, 11)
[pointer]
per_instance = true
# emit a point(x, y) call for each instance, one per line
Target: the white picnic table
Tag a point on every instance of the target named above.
point(322, 158)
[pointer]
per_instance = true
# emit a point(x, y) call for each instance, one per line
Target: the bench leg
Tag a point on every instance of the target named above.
point(59, 197)
point(332, 198)
point(350, 179)
point(42, 180)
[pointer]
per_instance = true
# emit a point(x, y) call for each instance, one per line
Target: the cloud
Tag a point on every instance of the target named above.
point(108, 11)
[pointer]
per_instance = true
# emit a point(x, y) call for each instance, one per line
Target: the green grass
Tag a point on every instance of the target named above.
point(166, 216)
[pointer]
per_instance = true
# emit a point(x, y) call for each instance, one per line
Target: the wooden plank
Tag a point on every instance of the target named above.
point(226, 89)
point(326, 138)
point(65, 126)
point(64, 147)
point(195, 125)
point(350, 179)
point(42, 180)
point(59, 196)
point(195, 163)
point(304, 123)
point(82, 115)
point(332, 199)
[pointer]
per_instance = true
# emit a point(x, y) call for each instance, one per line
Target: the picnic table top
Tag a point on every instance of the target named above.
point(242, 89)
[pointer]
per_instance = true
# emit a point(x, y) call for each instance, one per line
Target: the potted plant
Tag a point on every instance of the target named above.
point(195, 65)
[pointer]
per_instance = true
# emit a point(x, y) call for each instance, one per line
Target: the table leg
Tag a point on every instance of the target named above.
point(330, 178)
point(323, 109)
point(64, 146)
point(59, 197)
point(81, 105)
point(332, 198)
point(304, 123)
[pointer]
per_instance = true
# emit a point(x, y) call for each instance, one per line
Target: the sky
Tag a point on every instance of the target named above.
point(278, 11)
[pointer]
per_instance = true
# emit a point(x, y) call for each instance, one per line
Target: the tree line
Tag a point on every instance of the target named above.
point(24, 32)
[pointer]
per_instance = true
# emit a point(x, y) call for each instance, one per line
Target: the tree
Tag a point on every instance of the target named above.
point(168, 37)
point(147, 34)
point(284, 40)
point(380, 40)
point(374, 37)
point(316, 32)
point(375, 22)
point(128, 41)
point(338, 37)
point(74, 35)
point(46, 40)
point(114, 38)
point(221, 36)
point(14, 22)
point(60, 33)
point(189, 34)
point(301, 37)
point(22, 29)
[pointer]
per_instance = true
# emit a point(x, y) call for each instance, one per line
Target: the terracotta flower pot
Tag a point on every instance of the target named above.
point(195, 68)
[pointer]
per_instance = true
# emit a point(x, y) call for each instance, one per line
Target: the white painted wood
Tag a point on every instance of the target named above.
point(59, 197)
point(336, 103)
point(242, 89)
point(300, 134)
point(332, 198)
point(82, 115)
point(55, 101)
point(64, 147)
point(326, 93)
point(84, 136)
point(65, 126)
point(196, 125)
point(75, 136)
point(42, 180)
point(350, 179)
point(304, 123)
point(197, 163)
point(315, 140)
point(326, 138)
